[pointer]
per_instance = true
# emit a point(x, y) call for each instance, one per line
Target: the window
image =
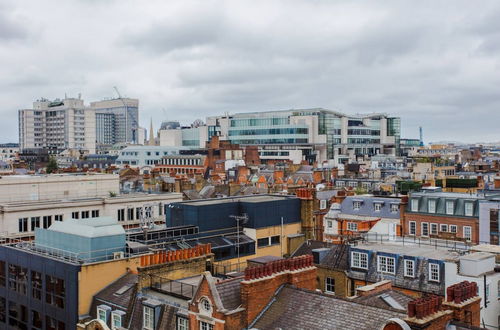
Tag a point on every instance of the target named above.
point(469, 209)
point(322, 204)
point(352, 226)
point(55, 291)
point(18, 316)
point(35, 223)
point(95, 213)
point(206, 326)
point(36, 319)
point(75, 215)
point(205, 305)
point(18, 278)
point(432, 205)
point(121, 214)
point(116, 320)
point(359, 260)
point(394, 208)
point(36, 285)
point(434, 272)
point(413, 228)
point(261, 242)
point(443, 228)
point(47, 221)
point(414, 205)
point(386, 265)
point(23, 225)
point(468, 233)
point(329, 285)
point(450, 206)
point(409, 268)
point(85, 214)
point(53, 324)
point(275, 240)
point(356, 205)
point(130, 214)
point(329, 224)
point(377, 207)
point(58, 217)
point(160, 209)
point(3, 274)
point(182, 323)
point(425, 229)
point(434, 228)
point(138, 213)
point(102, 314)
point(453, 229)
point(148, 321)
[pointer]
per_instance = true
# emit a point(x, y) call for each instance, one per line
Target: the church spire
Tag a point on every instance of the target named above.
point(151, 134)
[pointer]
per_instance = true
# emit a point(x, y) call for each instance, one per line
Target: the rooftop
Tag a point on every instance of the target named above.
point(411, 249)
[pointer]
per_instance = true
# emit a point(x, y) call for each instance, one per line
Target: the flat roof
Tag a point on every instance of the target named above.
point(411, 249)
point(486, 248)
point(247, 199)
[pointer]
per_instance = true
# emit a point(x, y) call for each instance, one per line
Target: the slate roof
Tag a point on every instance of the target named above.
point(337, 258)
point(307, 247)
point(229, 292)
point(295, 308)
point(367, 207)
point(110, 295)
point(376, 300)
point(459, 200)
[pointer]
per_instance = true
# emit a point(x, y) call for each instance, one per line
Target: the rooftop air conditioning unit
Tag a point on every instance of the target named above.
point(118, 255)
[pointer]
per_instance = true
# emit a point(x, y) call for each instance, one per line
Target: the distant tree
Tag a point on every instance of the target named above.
point(52, 165)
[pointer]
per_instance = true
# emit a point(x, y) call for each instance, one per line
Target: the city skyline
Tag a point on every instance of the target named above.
point(433, 66)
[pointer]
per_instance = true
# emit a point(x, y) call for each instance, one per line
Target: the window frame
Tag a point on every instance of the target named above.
point(470, 233)
point(432, 202)
point(453, 231)
point(447, 207)
point(329, 285)
point(182, 323)
point(414, 204)
point(384, 267)
point(148, 318)
point(434, 269)
point(434, 228)
point(407, 262)
point(352, 226)
point(356, 205)
point(445, 226)
point(414, 223)
point(422, 229)
point(469, 212)
point(99, 311)
point(357, 260)
point(377, 207)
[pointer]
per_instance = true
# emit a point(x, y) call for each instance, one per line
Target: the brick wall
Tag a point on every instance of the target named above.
point(459, 222)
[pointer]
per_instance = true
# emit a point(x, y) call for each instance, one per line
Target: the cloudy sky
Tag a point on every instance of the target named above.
point(434, 63)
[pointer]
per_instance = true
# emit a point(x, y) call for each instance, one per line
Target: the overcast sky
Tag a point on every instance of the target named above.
point(434, 63)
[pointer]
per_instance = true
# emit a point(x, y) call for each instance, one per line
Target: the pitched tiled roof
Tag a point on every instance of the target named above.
point(117, 294)
point(295, 308)
point(337, 258)
point(308, 246)
point(377, 300)
point(229, 292)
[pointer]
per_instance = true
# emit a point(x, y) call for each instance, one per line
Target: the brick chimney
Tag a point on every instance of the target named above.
point(261, 282)
point(462, 299)
point(462, 304)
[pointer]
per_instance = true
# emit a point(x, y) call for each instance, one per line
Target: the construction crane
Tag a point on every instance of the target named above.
point(134, 121)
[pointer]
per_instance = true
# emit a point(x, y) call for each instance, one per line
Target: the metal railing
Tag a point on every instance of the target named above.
point(418, 241)
point(172, 287)
point(226, 268)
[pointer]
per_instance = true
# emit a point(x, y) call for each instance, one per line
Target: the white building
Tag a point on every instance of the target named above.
point(19, 219)
point(60, 124)
point(144, 157)
point(8, 151)
point(479, 267)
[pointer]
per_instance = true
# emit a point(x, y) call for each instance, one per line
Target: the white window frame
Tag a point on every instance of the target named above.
point(206, 326)
point(469, 236)
point(414, 231)
point(450, 207)
point(329, 285)
point(434, 228)
point(115, 316)
point(359, 260)
point(394, 208)
point(99, 311)
point(409, 270)
point(356, 205)
point(386, 264)
point(453, 229)
point(469, 209)
point(434, 275)
point(352, 226)
point(182, 323)
point(322, 204)
point(377, 207)
point(443, 228)
point(329, 224)
point(431, 206)
point(148, 318)
point(414, 205)
point(422, 229)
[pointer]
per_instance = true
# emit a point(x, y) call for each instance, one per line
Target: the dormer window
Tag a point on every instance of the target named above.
point(377, 207)
point(205, 306)
point(469, 209)
point(148, 321)
point(356, 205)
point(450, 206)
point(414, 205)
point(432, 205)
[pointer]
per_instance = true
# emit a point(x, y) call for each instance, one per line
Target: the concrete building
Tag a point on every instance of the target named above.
point(145, 157)
point(17, 188)
point(20, 219)
point(8, 151)
point(318, 134)
point(59, 124)
point(117, 121)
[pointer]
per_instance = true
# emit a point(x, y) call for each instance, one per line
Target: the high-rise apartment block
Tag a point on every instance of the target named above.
point(117, 121)
point(59, 124)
